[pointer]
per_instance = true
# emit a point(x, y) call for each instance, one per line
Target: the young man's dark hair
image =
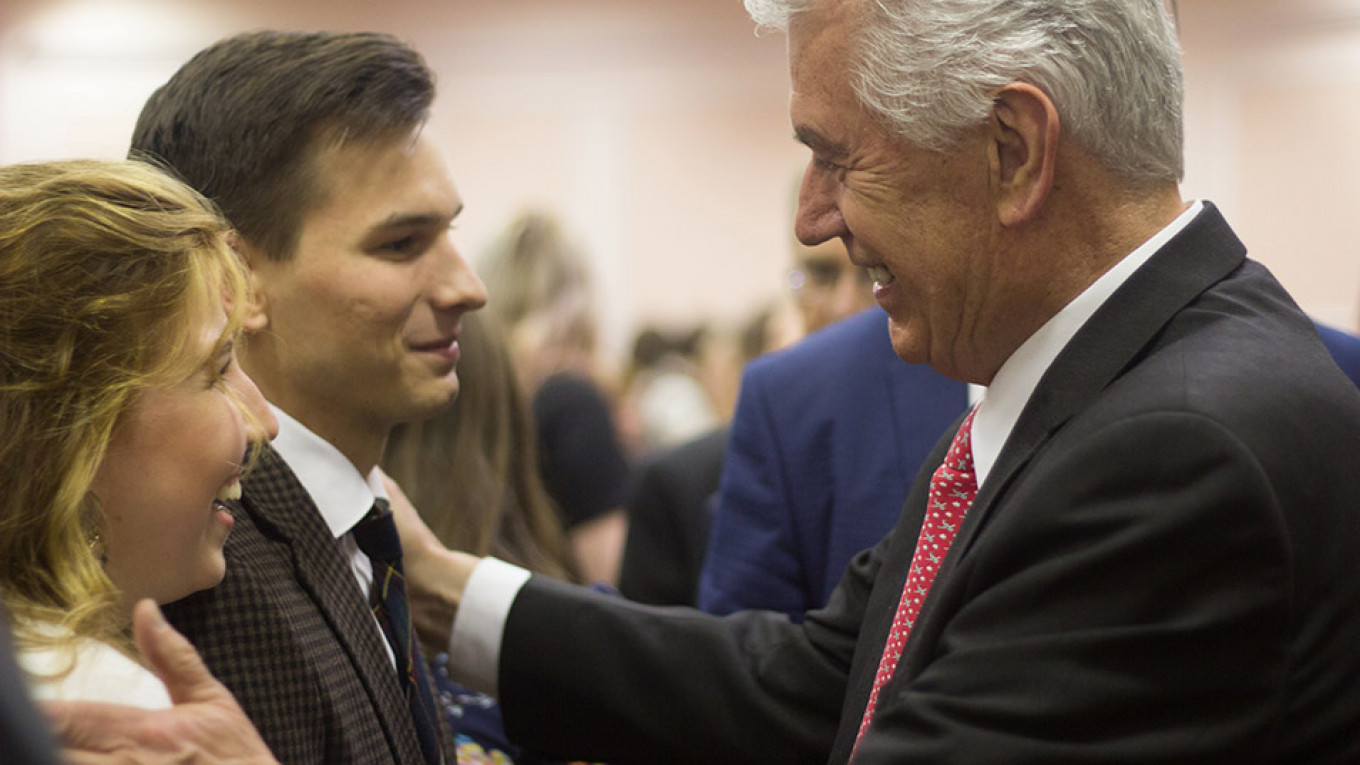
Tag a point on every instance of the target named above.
point(243, 119)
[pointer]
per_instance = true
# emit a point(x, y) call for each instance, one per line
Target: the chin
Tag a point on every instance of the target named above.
point(204, 584)
point(433, 399)
point(212, 574)
point(416, 411)
point(905, 345)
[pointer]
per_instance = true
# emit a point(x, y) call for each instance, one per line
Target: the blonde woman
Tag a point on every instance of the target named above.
point(540, 292)
point(472, 471)
point(124, 418)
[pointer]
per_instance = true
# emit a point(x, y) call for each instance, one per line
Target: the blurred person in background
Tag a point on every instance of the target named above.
point(664, 400)
point(670, 499)
point(826, 286)
point(472, 473)
point(541, 293)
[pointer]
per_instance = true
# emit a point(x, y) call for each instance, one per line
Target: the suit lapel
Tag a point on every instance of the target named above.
point(1118, 333)
point(279, 501)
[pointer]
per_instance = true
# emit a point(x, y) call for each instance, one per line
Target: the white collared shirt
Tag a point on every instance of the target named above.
point(340, 492)
point(474, 647)
point(1017, 378)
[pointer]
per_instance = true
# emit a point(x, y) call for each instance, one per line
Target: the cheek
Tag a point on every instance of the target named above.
point(380, 317)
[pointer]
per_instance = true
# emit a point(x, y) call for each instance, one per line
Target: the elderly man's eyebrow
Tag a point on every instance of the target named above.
point(818, 143)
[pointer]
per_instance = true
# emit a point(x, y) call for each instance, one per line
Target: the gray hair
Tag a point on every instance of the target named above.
point(930, 69)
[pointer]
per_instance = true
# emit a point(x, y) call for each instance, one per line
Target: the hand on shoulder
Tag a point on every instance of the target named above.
point(435, 575)
point(205, 725)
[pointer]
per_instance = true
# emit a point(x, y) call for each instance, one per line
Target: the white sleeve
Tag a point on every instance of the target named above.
point(475, 644)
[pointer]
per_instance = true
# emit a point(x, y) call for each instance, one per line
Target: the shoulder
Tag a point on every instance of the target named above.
point(700, 458)
point(1345, 349)
point(862, 336)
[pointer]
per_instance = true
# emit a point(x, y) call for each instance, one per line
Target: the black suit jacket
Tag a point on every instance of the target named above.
point(1162, 567)
point(291, 634)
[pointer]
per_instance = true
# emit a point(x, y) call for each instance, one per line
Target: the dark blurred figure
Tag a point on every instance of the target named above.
point(24, 739)
point(670, 500)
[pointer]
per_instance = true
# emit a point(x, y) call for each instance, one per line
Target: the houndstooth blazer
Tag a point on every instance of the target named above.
point(290, 633)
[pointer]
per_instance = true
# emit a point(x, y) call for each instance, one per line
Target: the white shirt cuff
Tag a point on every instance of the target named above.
point(475, 645)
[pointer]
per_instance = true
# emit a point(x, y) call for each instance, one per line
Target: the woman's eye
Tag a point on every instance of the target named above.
point(218, 378)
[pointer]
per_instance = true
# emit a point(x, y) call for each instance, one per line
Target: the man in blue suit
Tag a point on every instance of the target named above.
point(673, 499)
point(1345, 349)
point(827, 438)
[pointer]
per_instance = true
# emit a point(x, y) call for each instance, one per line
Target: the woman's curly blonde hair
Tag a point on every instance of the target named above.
point(107, 271)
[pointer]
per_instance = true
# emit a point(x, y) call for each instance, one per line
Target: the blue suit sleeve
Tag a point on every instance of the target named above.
point(753, 559)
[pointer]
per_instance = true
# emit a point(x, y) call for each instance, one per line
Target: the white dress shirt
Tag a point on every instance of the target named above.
point(1017, 378)
point(474, 648)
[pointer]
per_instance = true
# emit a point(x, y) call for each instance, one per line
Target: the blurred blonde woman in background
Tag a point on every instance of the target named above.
point(472, 473)
point(540, 291)
point(124, 418)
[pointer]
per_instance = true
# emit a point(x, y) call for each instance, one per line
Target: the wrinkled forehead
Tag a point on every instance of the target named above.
point(820, 51)
point(822, 32)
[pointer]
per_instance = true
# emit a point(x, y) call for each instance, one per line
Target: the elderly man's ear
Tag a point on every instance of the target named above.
point(1024, 135)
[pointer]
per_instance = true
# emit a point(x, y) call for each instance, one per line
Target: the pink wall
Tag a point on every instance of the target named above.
point(658, 128)
point(1273, 118)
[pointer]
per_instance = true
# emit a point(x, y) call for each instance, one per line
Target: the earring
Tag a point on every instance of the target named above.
point(97, 548)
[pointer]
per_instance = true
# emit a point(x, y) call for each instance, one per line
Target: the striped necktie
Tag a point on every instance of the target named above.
point(377, 537)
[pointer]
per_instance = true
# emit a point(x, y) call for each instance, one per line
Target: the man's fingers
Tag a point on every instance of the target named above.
point(172, 657)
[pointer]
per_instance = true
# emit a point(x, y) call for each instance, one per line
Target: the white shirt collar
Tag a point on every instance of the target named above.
point(341, 494)
point(1019, 375)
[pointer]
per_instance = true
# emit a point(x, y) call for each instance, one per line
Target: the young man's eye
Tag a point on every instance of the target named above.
point(401, 246)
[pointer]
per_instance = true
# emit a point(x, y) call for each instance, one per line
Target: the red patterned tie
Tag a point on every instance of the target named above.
point(952, 489)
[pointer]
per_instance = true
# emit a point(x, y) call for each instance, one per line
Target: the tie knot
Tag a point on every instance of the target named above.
point(960, 456)
point(376, 534)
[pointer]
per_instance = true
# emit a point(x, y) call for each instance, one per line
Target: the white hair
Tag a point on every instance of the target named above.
point(930, 69)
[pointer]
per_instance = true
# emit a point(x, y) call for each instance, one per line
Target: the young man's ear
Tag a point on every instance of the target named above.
point(257, 315)
point(1025, 136)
